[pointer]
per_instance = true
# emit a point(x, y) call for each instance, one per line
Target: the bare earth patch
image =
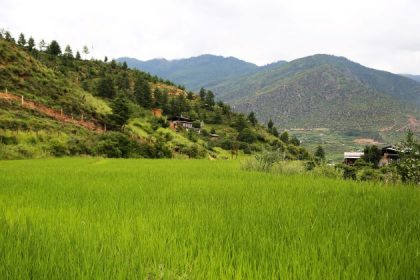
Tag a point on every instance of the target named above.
point(366, 141)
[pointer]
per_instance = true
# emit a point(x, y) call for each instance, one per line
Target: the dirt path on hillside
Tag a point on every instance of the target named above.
point(50, 112)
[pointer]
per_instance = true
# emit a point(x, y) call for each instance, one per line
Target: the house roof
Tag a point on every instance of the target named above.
point(353, 154)
point(179, 118)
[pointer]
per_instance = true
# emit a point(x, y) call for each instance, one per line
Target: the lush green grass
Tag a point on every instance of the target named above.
point(100, 218)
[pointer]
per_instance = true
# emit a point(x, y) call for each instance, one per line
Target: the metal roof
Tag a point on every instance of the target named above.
point(353, 154)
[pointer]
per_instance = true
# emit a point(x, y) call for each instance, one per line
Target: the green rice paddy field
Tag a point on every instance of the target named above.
point(197, 219)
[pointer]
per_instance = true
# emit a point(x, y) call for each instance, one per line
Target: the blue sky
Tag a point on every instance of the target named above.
point(381, 34)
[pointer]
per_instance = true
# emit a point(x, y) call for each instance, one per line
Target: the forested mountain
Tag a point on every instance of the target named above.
point(55, 103)
point(326, 91)
point(413, 77)
point(326, 98)
point(195, 72)
point(315, 91)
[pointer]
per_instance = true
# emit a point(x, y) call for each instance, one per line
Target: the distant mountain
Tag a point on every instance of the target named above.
point(413, 77)
point(195, 72)
point(326, 91)
point(394, 85)
point(315, 91)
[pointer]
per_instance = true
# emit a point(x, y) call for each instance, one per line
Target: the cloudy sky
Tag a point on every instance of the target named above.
point(383, 34)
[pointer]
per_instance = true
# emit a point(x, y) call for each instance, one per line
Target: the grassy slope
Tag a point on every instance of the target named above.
point(70, 85)
point(97, 218)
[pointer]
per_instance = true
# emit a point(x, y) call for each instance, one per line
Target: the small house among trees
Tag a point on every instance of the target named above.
point(180, 122)
point(388, 155)
point(351, 157)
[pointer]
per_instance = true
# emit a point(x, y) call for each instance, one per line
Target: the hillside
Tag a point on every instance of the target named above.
point(195, 72)
point(413, 77)
point(73, 106)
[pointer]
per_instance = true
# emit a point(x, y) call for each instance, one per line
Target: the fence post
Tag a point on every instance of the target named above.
point(21, 102)
point(61, 111)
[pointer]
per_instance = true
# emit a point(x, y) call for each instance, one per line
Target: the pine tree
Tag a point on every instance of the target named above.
point(202, 94)
point(270, 125)
point(157, 97)
point(143, 93)
point(31, 43)
point(42, 45)
point(275, 132)
point(22, 40)
point(68, 52)
point(106, 87)
point(190, 95)
point(54, 48)
point(85, 50)
point(319, 154)
point(294, 141)
point(78, 57)
point(210, 99)
point(120, 111)
point(284, 137)
point(9, 37)
point(252, 119)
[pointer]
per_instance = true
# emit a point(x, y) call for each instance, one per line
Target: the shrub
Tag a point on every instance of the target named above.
point(247, 135)
point(226, 144)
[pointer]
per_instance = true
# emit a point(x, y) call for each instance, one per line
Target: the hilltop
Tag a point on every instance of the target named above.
point(55, 103)
point(195, 72)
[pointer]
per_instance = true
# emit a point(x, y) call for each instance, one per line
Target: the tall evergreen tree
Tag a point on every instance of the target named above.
point(270, 124)
point(42, 45)
point(54, 48)
point(252, 119)
point(120, 111)
point(31, 43)
point(319, 154)
point(157, 98)
point(85, 50)
point(78, 56)
point(68, 52)
point(295, 141)
point(106, 87)
point(190, 95)
point(284, 137)
point(210, 99)
point(202, 94)
point(372, 154)
point(9, 37)
point(143, 93)
point(21, 40)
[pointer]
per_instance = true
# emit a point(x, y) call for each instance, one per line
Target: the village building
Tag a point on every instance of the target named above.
point(351, 157)
point(180, 122)
point(389, 154)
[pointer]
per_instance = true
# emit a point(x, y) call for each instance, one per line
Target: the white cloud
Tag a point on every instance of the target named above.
point(378, 33)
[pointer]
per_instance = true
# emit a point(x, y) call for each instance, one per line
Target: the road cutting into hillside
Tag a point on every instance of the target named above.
point(52, 113)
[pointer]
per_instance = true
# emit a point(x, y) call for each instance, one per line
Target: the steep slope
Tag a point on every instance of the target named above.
point(325, 97)
point(194, 72)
